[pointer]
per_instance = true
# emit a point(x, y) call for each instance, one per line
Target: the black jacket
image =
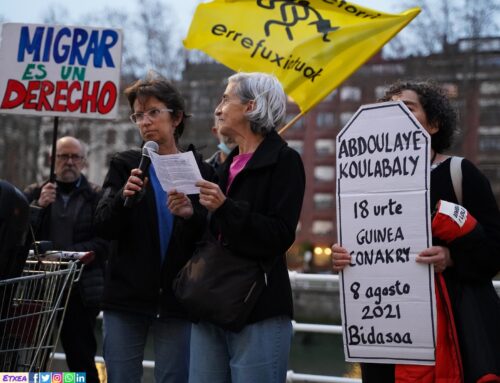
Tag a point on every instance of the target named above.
point(260, 216)
point(135, 280)
point(81, 207)
point(476, 259)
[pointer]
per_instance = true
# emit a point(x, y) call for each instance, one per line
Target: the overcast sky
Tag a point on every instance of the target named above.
point(33, 11)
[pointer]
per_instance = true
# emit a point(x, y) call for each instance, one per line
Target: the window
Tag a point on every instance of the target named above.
point(350, 93)
point(322, 227)
point(489, 144)
point(330, 96)
point(297, 125)
point(490, 87)
point(380, 92)
point(323, 200)
point(296, 145)
point(324, 147)
point(345, 117)
point(111, 137)
point(324, 173)
point(325, 120)
point(489, 102)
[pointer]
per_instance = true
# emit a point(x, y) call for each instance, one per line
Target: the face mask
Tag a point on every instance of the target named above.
point(224, 148)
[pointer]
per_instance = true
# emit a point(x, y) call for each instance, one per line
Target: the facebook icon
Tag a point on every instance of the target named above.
point(34, 377)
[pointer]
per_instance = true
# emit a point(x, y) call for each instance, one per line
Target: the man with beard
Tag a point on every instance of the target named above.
point(62, 212)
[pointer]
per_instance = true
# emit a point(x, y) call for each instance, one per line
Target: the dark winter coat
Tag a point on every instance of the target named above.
point(136, 281)
point(80, 210)
point(260, 216)
point(476, 306)
point(476, 259)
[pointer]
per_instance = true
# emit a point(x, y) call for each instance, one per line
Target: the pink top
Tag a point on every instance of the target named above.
point(237, 165)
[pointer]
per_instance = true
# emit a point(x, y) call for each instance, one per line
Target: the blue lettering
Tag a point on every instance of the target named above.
point(48, 44)
point(30, 46)
point(104, 47)
point(74, 46)
point(93, 48)
point(80, 37)
point(61, 57)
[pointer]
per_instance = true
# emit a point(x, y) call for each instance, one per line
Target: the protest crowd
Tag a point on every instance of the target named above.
point(190, 253)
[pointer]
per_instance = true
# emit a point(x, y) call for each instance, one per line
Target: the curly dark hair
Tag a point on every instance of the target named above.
point(155, 85)
point(437, 107)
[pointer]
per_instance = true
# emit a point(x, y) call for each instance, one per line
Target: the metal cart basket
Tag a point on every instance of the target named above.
point(31, 311)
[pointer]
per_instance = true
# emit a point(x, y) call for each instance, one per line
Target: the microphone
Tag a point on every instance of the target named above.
point(143, 166)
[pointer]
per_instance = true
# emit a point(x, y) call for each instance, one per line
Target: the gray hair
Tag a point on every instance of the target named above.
point(269, 98)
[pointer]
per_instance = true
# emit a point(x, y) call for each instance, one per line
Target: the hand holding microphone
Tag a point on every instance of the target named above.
point(135, 182)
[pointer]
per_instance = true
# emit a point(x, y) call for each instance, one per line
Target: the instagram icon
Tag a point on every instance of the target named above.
point(57, 377)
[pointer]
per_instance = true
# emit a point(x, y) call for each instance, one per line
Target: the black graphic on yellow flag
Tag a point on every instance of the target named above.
point(292, 12)
point(311, 46)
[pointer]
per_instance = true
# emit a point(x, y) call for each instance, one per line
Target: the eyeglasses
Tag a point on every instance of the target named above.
point(73, 157)
point(151, 114)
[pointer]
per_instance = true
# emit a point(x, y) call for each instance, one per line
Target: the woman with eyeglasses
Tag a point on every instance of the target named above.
point(152, 241)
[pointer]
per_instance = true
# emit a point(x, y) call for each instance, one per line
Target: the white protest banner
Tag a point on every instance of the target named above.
point(383, 220)
point(57, 70)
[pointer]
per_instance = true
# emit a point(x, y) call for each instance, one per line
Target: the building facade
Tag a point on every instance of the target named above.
point(469, 70)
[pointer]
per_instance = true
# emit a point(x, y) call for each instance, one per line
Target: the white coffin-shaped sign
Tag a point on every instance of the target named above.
point(383, 220)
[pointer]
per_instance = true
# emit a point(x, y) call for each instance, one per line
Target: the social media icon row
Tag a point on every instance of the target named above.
point(43, 377)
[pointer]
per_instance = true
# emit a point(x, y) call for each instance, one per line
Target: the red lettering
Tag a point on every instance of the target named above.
point(74, 87)
point(30, 99)
point(60, 96)
point(47, 89)
point(92, 97)
point(107, 97)
point(14, 95)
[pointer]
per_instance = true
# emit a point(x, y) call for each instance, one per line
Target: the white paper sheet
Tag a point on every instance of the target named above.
point(177, 171)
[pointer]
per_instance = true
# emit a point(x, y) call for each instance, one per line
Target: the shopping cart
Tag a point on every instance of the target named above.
point(32, 309)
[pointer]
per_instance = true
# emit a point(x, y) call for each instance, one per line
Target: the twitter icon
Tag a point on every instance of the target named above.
point(45, 377)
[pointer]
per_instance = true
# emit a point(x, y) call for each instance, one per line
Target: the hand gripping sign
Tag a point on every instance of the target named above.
point(383, 220)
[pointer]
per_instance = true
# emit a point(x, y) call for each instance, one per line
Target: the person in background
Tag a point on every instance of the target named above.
point(467, 265)
point(63, 212)
point(152, 240)
point(254, 207)
point(226, 145)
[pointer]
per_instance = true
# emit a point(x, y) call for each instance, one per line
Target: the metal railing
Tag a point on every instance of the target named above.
point(302, 281)
point(305, 281)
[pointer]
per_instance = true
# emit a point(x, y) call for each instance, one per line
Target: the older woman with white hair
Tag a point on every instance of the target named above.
point(255, 207)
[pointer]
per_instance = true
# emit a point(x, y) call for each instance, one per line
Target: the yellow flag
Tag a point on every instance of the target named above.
point(310, 46)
